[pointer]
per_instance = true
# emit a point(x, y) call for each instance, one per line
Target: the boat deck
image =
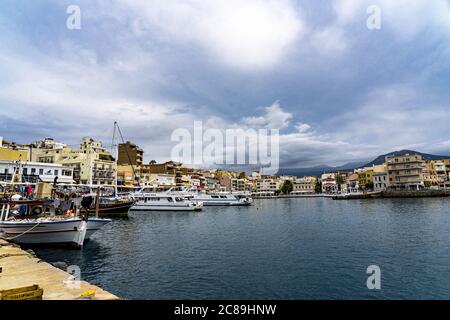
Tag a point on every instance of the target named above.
point(21, 269)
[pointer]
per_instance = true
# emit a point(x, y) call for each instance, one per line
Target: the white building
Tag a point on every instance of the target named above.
point(268, 187)
point(160, 180)
point(33, 172)
point(380, 181)
point(329, 183)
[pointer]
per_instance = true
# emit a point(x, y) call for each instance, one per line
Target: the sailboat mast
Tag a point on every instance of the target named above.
point(115, 145)
point(91, 166)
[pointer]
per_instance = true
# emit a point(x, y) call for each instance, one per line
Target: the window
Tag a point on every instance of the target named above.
point(56, 172)
point(41, 171)
point(25, 171)
point(33, 170)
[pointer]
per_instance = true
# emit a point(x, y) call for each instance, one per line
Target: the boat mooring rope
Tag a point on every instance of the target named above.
point(25, 232)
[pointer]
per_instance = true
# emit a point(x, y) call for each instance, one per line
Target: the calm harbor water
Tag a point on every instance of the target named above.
point(308, 248)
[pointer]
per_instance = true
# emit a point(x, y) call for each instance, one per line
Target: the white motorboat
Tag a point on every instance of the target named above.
point(222, 199)
point(164, 202)
point(52, 230)
point(215, 199)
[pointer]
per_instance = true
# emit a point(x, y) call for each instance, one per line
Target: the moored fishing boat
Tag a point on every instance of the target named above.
point(116, 207)
point(47, 230)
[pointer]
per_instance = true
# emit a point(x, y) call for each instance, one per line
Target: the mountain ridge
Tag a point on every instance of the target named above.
point(318, 170)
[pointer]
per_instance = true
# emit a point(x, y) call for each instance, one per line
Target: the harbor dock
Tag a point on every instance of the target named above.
point(20, 269)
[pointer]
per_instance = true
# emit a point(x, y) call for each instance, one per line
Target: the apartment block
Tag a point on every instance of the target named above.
point(305, 185)
point(405, 171)
point(130, 154)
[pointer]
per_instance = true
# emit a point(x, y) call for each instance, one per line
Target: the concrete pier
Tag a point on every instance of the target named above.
point(21, 269)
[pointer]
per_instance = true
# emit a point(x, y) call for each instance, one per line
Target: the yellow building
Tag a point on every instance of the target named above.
point(429, 174)
point(126, 176)
point(366, 174)
point(91, 162)
point(365, 178)
point(13, 155)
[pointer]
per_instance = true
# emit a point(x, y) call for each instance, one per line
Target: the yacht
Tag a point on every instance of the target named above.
point(222, 199)
point(164, 202)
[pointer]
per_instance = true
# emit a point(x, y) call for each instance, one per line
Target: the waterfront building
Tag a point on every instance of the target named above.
point(34, 172)
point(48, 151)
point(171, 167)
point(351, 183)
point(11, 154)
point(268, 186)
point(92, 164)
point(197, 180)
point(447, 167)
point(304, 185)
point(380, 181)
point(329, 183)
point(405, 171)
point(429, 174)
point(130, 154)
point(374, 177)
point(211, 182)
point(161, 181)
point(366, 178)
point(441, 173)
point(224, 178)
point(127, 176)
point(238, 184)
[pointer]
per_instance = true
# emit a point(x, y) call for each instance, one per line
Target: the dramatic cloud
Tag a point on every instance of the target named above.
point(337, 91)
point(246, 34)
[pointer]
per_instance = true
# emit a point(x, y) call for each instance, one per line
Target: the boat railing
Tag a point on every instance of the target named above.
point(5, 211)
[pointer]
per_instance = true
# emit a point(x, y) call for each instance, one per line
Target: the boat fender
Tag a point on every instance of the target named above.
point(36, 211)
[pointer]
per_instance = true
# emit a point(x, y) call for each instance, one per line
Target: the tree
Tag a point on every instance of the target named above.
point(339, 181)
point(318, 188)
point(369, 186)
point(242, 175)
point(287, 187)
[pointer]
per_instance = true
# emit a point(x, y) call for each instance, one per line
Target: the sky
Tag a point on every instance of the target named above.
point(337, 90)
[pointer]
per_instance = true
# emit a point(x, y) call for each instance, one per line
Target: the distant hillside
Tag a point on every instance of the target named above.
point(380, 159)
point(316, 171)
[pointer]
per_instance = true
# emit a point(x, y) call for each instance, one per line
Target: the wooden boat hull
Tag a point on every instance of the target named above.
point(121, 208)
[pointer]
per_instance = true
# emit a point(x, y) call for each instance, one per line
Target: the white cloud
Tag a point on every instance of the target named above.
point(303, 127)
point(347, 10)
point(274, 118)
point(245, 34)
point(330, 41)
point(394, 117)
